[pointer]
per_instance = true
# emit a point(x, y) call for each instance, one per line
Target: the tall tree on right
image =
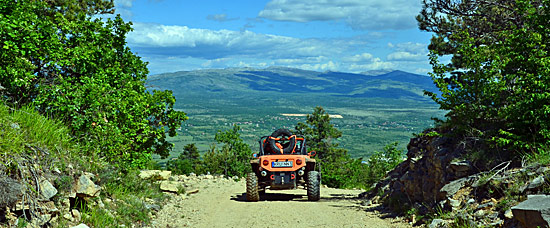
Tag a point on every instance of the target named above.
point(321, 136)
point(497, 85)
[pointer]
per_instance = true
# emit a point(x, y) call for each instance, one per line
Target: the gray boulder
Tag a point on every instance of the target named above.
point(534, 212)
point(86, 187)
point(47, 189)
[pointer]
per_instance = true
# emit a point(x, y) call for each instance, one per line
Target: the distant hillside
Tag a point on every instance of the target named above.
point(376, 107)
point(394, 84)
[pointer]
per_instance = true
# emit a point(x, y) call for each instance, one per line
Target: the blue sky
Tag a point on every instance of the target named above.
point(320, 35)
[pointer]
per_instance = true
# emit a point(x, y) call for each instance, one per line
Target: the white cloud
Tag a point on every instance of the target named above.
point(184, 48)
point(359, 57)
point(214, 44)
point(418, 48)
point(412, 52)
point(359, 14)
point(406, 56)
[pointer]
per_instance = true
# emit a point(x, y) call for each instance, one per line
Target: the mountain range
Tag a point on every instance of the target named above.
point(392, 84)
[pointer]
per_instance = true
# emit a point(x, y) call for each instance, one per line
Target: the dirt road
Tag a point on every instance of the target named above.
point(222, 203)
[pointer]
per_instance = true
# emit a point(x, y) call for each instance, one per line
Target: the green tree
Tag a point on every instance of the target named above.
point(69, 65)
point(187, 162)
point(320, 135)
point(232, 159)
point(497, 85)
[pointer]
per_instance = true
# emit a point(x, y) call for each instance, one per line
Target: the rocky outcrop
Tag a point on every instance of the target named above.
point(436, 178)
point(431, 164)
point(534, 212)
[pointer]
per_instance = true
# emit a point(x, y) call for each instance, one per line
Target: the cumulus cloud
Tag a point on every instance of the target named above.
point(214, 44)
point(412, 52)
point(359, 14)
point(205, 48)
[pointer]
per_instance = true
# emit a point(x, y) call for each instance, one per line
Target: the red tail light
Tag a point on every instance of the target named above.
point(298, 162)
point(265, 162)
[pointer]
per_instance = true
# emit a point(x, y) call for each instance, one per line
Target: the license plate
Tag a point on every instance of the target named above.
point(281, 164)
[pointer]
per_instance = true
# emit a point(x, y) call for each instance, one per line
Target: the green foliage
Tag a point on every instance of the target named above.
point(187, 162)
point(338, 169)
point(497, 86)
point(128, 192)
point(79, 69)
point(25, 135)
point(232, 158)
point(382, 162)
point(320, 134)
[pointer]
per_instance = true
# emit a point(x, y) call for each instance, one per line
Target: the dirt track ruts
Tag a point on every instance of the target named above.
point(222, 203)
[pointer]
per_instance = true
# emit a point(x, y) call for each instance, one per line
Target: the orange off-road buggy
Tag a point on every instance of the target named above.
point(283, 163)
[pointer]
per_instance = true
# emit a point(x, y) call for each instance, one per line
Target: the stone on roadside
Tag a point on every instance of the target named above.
point(158, 174)
point(170, 186)
point(192, 191)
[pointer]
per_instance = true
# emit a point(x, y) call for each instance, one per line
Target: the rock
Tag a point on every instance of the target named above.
point(454, 203)
point(479, 214)
point(437, 223)
point(49, 207)
point(47, 189)
point(452, 188)
point(156, 174)
point(86, 187)
point(508, 214)
point(537, 182)
point(68, 216)
point(534, 212)
point(15, 126)
point(486, 205)
point(81, 225)
point(10, 190)
point(193, 191)
point(154, 207)
point(100, 204)
point(76, 215)
point(170, 186)
point(461, 166)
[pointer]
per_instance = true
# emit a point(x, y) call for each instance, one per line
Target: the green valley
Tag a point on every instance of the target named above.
point(376, 109)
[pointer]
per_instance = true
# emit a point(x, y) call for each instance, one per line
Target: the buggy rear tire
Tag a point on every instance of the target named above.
point(252, 187)
point(313, 186)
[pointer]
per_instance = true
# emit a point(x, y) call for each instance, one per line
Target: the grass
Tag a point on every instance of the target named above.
point(25, 133)
point(29, 140)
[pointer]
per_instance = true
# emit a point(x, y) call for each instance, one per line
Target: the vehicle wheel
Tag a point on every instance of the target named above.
point(313, 188)
point(252, 187)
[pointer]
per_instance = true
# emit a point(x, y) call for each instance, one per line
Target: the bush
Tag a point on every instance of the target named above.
point(79, 69)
